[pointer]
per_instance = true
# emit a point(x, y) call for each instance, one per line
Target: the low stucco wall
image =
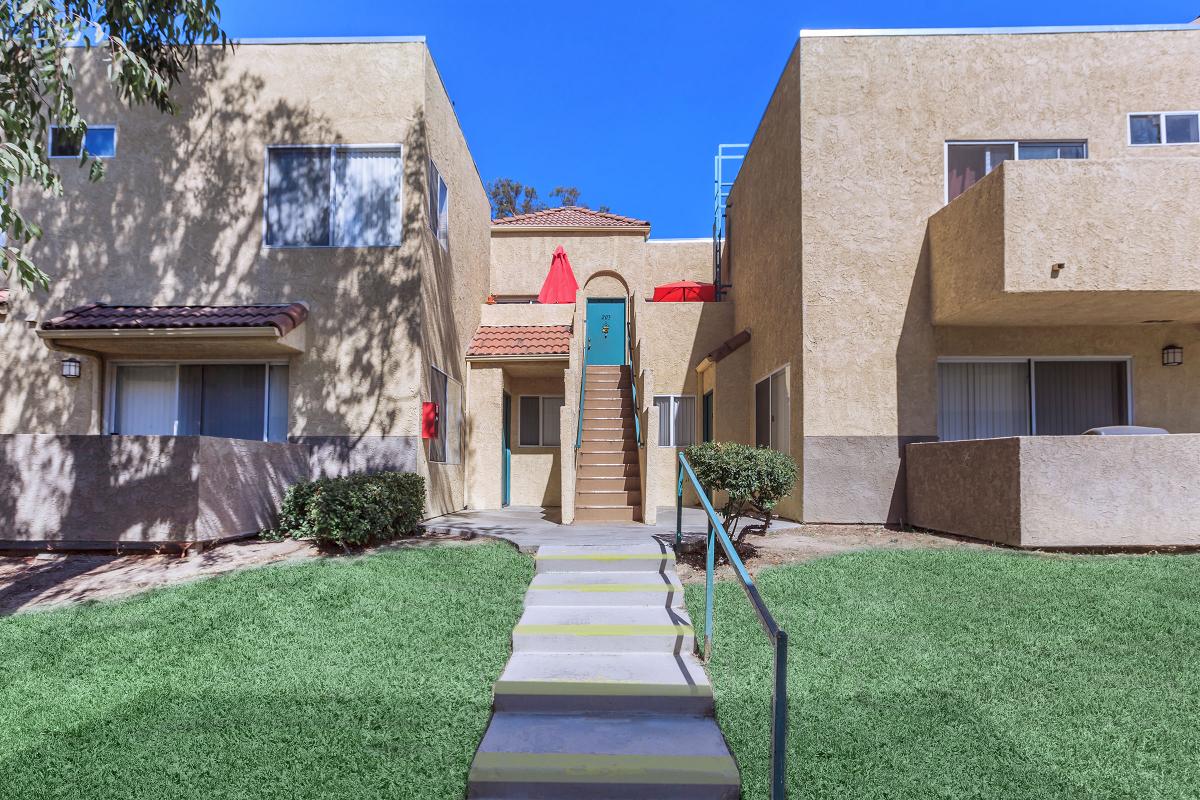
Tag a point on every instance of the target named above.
point(1060, 491)
point(102, 491)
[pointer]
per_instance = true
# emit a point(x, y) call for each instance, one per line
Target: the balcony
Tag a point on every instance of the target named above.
point(1109, 242)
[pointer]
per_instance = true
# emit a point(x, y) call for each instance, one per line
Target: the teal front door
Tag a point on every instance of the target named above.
point(605, 332)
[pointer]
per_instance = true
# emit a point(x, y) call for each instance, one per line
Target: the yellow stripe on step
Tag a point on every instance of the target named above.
point(605, 688)
point(605, 630)
point(606, 587)
point(594, 768)
point(609, 557)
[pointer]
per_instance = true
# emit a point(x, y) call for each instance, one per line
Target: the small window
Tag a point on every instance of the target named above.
point(446, 447)
point(100, 141)
point(235, 401)
point(334, 196)
point(539, 420)
point(968, 162)
point(676, 420)
point(439, 206)
point(773, 412)
point(1171, 127)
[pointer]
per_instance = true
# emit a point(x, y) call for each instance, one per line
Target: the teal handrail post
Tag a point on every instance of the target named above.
point(582, 395)
point(779, 640)
point(637, 411)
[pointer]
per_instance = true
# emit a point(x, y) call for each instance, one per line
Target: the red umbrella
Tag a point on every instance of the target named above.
point(685, 292)
point(560, 285)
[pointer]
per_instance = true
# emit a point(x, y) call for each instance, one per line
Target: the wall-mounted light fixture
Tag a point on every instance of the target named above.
point(1172, 355)
point(70, 368)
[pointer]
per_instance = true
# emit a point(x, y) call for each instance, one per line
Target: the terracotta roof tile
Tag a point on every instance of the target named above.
point(97, 316)
point(521, 340)
point(571, 217)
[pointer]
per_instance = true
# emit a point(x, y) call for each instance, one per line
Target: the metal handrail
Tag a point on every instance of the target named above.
point(582, 394)
point(637, 411)
point(778, 637)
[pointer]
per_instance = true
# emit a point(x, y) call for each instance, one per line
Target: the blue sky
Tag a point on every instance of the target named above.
point(628, 100)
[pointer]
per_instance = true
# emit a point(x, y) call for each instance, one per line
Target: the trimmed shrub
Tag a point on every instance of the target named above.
point(754, 480)
point(355, 509)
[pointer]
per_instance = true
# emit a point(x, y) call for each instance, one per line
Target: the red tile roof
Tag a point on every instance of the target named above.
point(571, 217)
point(521, 340)
point(97, 316)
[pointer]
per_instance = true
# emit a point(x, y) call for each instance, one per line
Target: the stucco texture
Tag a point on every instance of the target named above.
point(93, 491)
point(836, 194)
point(178, 219)
point(1060, 491)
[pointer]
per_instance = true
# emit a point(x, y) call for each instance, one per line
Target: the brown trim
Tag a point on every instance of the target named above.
point(728, 346)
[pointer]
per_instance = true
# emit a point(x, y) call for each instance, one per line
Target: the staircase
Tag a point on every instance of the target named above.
point(603, 697)
point(607, 482)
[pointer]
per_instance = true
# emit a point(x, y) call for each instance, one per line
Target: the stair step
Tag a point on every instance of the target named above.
point(603, 629)
point(592, 498)
point(623, 404)
point(620, 482)
point(603, 756)
point(598, 471)
point(641, 588)
point(613, 459)
point(614, 514)
point(631, 558)
point(605, 682)
point(609, 446)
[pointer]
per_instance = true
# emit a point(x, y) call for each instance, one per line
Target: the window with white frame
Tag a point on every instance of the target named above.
point(439, 206)
point(446, 447)
point(538, 420)
point(676, 420)
point(989, 398)
point(334, 196)
point(232, 400)
point(967, 162)
point(100, 141)
point(1164, 127)
point(773, 412)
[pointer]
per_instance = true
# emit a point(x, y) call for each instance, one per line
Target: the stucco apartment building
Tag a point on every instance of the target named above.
point(983, 237)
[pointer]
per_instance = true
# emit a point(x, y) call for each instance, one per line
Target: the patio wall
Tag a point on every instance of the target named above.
point(1059, 491)
point(140, 491)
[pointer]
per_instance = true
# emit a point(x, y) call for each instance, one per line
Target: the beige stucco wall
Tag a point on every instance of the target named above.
point(179, 219)
point(521, 261)
point(140, 491)
point(1123, 231)
point(1060, 491)
point(527, 314)
point(484, 444)
point(765, 266)
point(845, 184)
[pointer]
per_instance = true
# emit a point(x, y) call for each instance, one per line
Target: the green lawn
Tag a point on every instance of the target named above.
point(970, 675)
point(341, 678)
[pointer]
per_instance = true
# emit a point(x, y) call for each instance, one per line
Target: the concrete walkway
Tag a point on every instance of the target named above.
point(603, 697)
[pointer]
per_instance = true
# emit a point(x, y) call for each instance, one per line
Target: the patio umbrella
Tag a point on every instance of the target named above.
point(560, 285)
point(684, 292)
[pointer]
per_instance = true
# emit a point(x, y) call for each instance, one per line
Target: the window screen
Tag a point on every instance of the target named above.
point(967, 163)
point(676, 420)
point(145, 401)
point(437, 394)
point(1075, 396)
point(550, 421)
point(439, 205)
point(99, 141)
point(983, 400)
point(529, 426)
point(298, 184)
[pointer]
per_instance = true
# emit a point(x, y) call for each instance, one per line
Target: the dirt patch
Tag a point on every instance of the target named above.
point(50, 580)
point(799, 543)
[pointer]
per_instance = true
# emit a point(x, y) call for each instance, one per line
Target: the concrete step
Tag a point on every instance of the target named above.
point(610, 421)
point(627, 558)
point(619, 683)
point(623, 404)
point(606, 369)
point(590, 498)
point(595, 471)
point(586, 482)
point(603, 629)
point(607, 392)
point(608, 446)
point(584, 757)
point(609, 458)
point(616, 437)
point(642, 588)
point(618, 514)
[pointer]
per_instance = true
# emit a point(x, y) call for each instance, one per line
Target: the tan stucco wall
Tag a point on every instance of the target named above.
point(92, 491)
point(527, 314)
point(179, 219)
point(521, 261)
point(845, 185)
point(1123, 230)
point(1060, 491)
point(484, 444)
point(765, 266)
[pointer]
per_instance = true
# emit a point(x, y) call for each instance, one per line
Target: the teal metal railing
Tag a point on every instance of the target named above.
point(582, 388)
point(778, 637)
point(637, 410)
